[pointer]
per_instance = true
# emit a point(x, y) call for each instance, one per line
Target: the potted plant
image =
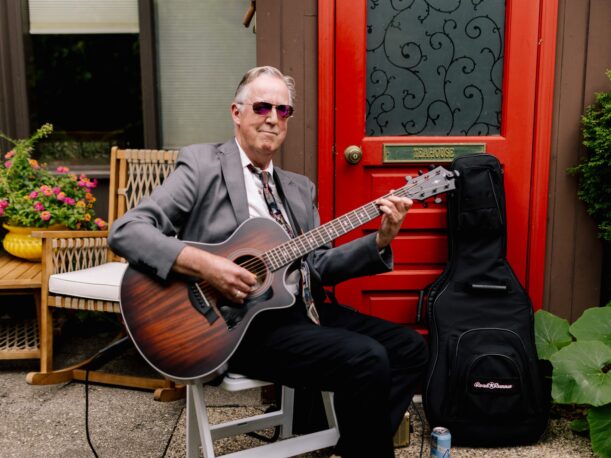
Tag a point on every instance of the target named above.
point(34, 198)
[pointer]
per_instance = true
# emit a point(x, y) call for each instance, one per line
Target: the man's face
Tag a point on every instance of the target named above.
point(260, 136)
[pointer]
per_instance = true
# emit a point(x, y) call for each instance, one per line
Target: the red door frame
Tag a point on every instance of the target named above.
point(541, 136)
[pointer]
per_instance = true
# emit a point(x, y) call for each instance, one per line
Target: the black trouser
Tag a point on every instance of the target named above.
point(372, 366)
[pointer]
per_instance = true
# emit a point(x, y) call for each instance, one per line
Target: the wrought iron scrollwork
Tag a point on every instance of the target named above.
point(434, 67)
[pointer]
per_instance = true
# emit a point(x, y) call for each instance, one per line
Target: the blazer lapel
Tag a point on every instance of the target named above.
point(231, 166)
point(292, 200)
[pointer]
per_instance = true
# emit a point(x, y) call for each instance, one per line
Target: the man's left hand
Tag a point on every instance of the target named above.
point(394, 209)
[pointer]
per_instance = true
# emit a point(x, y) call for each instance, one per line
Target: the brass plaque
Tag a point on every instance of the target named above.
point(429, 152)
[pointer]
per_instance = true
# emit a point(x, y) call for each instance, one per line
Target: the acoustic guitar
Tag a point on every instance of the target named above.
point(187, 331)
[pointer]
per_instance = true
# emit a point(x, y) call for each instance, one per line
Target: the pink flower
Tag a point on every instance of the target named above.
point(69, 201)
point(38, 206)
point(10, 154)
point(61, 196)
point(81, 183)
point(33, 195)
point(62, 169)
point(100, 223)
point(1, 211)
point(3, 204)
point(56, 190)
point(8, 164)
point(45, 216)
point(91, 184)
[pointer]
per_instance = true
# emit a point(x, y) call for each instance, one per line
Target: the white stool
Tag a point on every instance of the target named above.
point(201, 434)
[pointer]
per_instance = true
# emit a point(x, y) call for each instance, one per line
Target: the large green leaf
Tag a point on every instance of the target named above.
point(581, 375)
point(551, 334)
point(600, 430)
point(594, 324)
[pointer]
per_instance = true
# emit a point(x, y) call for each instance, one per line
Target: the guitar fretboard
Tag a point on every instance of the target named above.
point(420, 188)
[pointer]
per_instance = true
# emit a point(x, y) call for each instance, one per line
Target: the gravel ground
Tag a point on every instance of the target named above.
point(558, 441)
point(49, 421)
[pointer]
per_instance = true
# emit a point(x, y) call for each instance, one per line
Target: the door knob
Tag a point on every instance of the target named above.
point(353, 154)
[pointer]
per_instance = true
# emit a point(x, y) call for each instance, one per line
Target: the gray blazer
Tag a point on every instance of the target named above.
point(204, 200)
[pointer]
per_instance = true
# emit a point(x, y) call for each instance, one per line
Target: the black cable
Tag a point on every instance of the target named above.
point(87, 413)
point(101, 357)
point(167, 445)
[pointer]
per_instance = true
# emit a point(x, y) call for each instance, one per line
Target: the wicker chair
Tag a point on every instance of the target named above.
point(133, 175)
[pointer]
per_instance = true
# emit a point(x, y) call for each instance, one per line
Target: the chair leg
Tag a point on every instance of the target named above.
point(327, 398)
point(287, 408)
point(45, 340)
point(198, 426)
point(201, 433)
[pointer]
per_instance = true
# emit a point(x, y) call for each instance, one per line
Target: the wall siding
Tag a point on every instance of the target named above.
point(287, 39)
point(574, 253)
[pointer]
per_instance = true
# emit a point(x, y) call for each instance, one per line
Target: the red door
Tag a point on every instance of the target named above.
point(381, 64)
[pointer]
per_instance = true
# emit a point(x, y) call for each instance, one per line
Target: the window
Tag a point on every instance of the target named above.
point(88, 87)
point(202, 51)
point(84, 77)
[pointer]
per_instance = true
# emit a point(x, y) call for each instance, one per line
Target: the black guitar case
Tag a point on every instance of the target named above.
point(483, 380)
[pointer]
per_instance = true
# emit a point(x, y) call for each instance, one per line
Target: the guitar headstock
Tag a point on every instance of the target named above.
point(437, 181)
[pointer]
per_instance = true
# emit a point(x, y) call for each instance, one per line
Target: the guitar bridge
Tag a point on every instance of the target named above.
point(200, 303)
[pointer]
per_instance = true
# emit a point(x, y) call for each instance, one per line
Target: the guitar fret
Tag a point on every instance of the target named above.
point(273, 259)
point(311, 243)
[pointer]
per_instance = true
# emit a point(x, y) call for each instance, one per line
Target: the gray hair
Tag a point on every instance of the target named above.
point(256, 72)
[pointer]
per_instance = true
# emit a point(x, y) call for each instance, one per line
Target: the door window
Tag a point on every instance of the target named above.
point(434, 67)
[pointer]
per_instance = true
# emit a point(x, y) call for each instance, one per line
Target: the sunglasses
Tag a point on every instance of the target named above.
point(265, 108)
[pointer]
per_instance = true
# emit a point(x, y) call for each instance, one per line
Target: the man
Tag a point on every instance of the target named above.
point(371, 365)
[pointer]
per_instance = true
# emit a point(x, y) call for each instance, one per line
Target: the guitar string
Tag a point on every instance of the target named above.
point(351, 216)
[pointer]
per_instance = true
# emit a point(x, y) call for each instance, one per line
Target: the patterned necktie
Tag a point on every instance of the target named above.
point(274, 211)
point(270, 200)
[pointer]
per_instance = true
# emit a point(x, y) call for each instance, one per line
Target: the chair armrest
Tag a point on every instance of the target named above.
point(67, 251)
point(68, 234)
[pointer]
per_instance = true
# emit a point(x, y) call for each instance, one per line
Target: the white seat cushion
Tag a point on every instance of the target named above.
point(102, 282)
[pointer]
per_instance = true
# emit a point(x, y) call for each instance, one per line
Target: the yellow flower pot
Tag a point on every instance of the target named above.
point(19, 241)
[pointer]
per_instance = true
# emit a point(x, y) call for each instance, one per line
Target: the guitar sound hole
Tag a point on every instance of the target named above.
point(234, 313)
point(256, 266)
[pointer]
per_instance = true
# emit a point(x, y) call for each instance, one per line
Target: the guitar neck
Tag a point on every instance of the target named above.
point(298, 247)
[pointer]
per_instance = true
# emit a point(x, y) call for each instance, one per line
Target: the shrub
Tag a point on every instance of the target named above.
point(594, 171)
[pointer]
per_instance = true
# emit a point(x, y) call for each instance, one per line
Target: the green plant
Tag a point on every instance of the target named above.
point(32, 196)
point(594, 171)
point(580, 355)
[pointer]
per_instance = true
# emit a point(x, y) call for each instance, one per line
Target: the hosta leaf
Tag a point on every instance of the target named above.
point(579, 375)
point(594, 324)
point(600, 430)
point(551, 334)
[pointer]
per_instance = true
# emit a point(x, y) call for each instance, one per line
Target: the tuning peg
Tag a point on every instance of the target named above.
point(420, 172)
point(437, 200)
point(408, 178)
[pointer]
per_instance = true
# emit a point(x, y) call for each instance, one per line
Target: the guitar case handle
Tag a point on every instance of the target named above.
point(483, 287)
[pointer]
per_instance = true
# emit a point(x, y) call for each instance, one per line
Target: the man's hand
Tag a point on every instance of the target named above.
point(394, 209)
point(228, 278)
